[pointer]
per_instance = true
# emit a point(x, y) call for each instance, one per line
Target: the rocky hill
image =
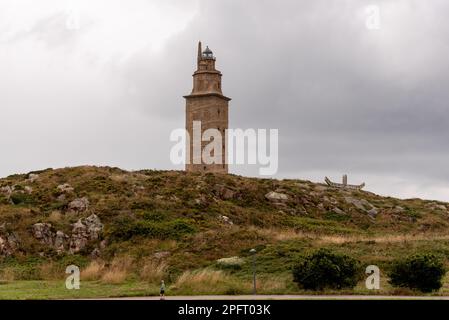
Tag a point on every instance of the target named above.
point(191, 220)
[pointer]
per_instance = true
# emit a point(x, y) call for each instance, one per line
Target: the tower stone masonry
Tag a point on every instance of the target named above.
point(206, 103)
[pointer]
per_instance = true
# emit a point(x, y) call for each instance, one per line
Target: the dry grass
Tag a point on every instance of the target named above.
point(7, 274)
point(272, 285)
point(55, 216)
point(50, 271)
point(120, 177)
point(153, 270)
point(279, 234)
point(208, 281)
point(201, 276)
point(382, 239)
point(202, 281)
point(290, 234)
point(114, 276)
point(119, 270)
point(93, 271)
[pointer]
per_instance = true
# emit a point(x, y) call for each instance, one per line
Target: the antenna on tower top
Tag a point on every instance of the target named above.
point(200, 51)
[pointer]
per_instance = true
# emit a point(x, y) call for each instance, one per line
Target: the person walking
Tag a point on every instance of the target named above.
point(162, 291)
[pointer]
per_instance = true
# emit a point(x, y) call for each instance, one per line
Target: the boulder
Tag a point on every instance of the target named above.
point(372, 212)
point(65, 188)
point(161, 254)
point(226, 220)
point(201, 200)
point(83, 231)
point(439, 207)
point(4, 251)
point(7, 190)
point(79, 204)
point(276, 196)
point(363, 205)
point(43, 232)
point(5, 248)
point(79, 238)
point(225, 193)
point(9, 242)
point(398, 209)
point(338, 210)
point(95, 254)
point(94, 226)
point(60, 242)
point(103, 244)
point(355, 202)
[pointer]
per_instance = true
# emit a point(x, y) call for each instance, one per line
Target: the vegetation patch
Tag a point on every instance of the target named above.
point(424, 272)
point(325, 269)
point(127, 228)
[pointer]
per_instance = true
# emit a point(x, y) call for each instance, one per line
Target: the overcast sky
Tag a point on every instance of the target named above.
point(101, 82)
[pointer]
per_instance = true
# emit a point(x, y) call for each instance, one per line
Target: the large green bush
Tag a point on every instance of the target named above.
point(420, 271)
point(325, 269)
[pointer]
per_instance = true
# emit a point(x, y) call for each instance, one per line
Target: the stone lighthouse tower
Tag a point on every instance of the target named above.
point(206, 104)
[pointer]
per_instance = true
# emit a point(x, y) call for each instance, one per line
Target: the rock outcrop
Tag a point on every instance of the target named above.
point(9, 242)
point(225, 193)
point(225, 220)
point(65, 188)
point(7, 191)
point(43, 233)
point(83, 231)
point(363, 205)
point(60, 242)
point(79, 205)
point(276, 196)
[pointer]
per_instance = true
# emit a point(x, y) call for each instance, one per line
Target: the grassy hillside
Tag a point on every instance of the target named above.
point(176, 225)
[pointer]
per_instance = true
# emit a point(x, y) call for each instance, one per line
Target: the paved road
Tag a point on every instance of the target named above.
point(288, 297)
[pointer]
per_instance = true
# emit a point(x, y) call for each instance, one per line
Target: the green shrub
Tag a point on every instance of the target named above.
point(3, 199)
point(324, 269)
point(126, 229)
point(145, 204)
point(21, 198)
point(154, 216)
point(420, 271)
